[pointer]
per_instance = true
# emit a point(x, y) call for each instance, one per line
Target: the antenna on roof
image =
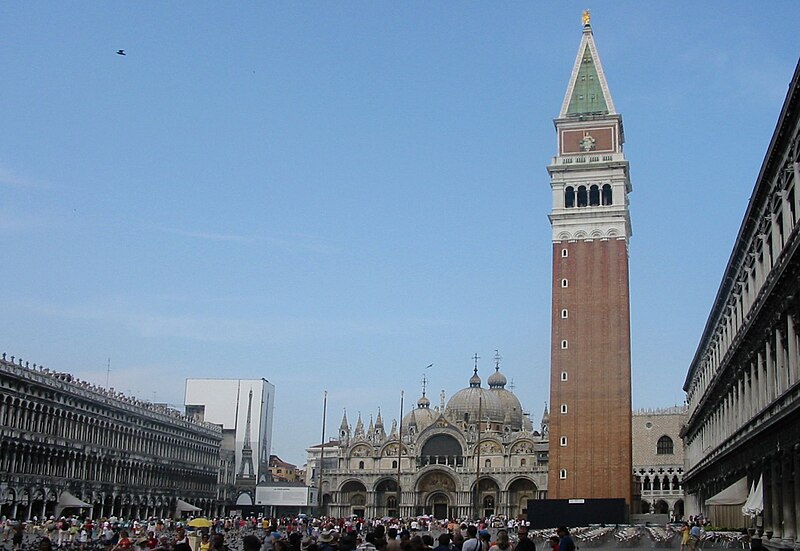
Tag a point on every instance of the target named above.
point(108, 371)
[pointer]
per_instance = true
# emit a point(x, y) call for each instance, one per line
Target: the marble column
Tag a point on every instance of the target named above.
point(788, 498)
point(768, 492)
point(791, 337)
point(795, 453)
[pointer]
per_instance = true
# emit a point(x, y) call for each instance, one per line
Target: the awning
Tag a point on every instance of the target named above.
point(735, 494)
point(183, 506)
point(755, 500)
point(67, 500)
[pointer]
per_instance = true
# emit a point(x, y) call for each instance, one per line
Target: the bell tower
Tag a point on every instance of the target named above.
point(590, 379)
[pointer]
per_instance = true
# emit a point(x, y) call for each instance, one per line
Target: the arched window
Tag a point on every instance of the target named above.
point(582, 198)
point(522, 462)
point(594, 196)
point(607, 198)
point(646, 483)
point(487, 464)
point(394, 464)
point(656, 483)
point(665, 446)
point(562, 474)
point(361, 465)
point(569, 197)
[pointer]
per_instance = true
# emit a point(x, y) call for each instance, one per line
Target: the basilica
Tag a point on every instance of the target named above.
point(476, 454)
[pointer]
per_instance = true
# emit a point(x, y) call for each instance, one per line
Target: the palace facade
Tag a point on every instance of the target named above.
point(743, 385)
point(658, 459)
point(67, 445)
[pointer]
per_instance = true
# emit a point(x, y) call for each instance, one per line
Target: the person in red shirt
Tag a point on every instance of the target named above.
point(124, 543)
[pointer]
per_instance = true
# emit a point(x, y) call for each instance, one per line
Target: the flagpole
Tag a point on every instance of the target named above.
point(399, 453)
point(322, 450)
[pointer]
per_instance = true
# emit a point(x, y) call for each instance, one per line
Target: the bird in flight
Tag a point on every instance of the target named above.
point(120, 52)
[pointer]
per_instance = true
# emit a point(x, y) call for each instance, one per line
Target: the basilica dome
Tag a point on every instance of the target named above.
point(512, 409)
point(474, 402)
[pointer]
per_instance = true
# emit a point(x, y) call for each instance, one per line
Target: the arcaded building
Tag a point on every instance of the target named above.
point(743, 385)
point(476, 454)
point(658, 459)
point(69, 446)
point(590, 381)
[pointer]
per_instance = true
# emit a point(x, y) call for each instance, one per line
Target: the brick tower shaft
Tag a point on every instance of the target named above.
point(590, 382)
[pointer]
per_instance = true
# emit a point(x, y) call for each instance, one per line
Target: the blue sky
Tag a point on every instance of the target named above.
point(333, 195)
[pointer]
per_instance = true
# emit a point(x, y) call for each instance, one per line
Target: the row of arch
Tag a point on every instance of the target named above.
point(663, 483)
point(591, 196)
point(434, 492)
point(34, 417)
point(25, 503)
point(390, 484)
point(663, 507)
point(102, 467)
point(442, 444)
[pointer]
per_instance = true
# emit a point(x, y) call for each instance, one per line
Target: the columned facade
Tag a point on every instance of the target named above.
point(119, 456)
point(742, 386)
point(590, 381)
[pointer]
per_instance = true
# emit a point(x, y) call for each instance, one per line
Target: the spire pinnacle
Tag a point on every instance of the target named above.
point(587, 93)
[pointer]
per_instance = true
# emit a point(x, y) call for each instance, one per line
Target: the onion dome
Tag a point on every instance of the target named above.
point(475, 381)
point(421, 417)
point(497, 379)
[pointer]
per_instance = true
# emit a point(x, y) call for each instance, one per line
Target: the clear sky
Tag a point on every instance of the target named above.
point(333, 195)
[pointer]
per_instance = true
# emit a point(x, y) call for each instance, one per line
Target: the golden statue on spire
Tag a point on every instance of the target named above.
point(586, 17)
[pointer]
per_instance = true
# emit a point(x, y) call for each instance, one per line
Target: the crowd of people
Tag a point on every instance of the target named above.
point(262, 534)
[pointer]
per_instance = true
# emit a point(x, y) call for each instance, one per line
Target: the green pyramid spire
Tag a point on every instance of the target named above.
point(587, 94)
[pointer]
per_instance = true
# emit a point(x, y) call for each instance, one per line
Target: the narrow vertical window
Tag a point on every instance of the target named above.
point(563, 441)
point(562, 474)
point(607, 197)
point(564, 345)
point(564, 253)
point(563, 408)
point(565, 283)
point(569, 197)
point(564, 313)
point(564, 376)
